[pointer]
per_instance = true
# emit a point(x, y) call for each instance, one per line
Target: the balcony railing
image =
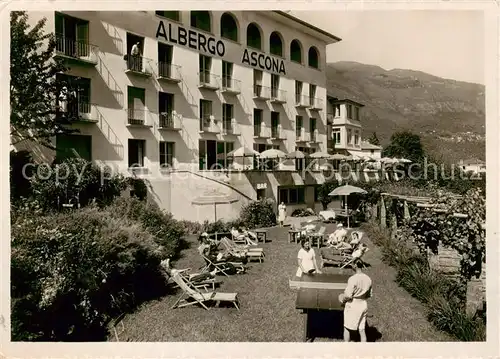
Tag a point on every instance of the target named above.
point(261, 92)
point(277, 133)
point(230, 85)
point(209, 124)
point(137, 117)
point(170, 121)
point(169, 72)
point(139, 65)
point(302, 136)
point(80, 110)
point(208, 81)
point(301, 101)
point(314, 137)
point(315, 103)
point(230, 127)
point(261, 131)
point(77, 50)
point(277, 95)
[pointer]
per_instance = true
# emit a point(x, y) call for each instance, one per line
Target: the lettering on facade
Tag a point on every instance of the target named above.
point(192, 39)
point(208, 44)
point(263, 61)
point(261, 185)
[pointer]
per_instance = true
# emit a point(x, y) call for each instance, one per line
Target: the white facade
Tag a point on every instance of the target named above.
point(145, 111)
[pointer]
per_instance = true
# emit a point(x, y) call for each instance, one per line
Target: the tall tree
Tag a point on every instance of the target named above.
point(374, 139)
point(405, 144)
point(35, 94)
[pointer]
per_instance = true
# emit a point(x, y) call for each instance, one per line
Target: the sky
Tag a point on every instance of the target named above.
point(448, 44)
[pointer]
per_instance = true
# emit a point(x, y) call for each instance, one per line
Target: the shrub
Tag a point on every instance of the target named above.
point(166, 231)
point(191, 227)
point(258, 214)
point(73, 272)
point(303, 212)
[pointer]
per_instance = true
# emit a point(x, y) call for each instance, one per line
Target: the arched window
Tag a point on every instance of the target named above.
point(201, 20)
point(275, 44)
point(313, 57)
point(296, 51)
point(254, 36)
point(228, 27)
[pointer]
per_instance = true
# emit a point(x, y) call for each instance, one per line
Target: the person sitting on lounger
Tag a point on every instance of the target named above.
point(165, 264)
point(355, 239)
point(358, 290)
point(337, 238)
point(207, 250)
point(307, 260)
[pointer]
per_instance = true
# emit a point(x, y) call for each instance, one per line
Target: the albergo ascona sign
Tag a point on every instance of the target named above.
point(208, 44)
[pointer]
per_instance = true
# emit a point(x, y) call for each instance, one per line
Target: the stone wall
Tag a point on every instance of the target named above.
point(476, 292)
point(446, 261)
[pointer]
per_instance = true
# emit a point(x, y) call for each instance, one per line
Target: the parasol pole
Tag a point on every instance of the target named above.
point(347, 211)
point(215, 211)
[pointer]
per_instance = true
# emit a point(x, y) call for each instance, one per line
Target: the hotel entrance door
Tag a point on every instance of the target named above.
point(211, 154)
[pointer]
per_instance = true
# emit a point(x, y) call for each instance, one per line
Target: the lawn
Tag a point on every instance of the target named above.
point(267, 304)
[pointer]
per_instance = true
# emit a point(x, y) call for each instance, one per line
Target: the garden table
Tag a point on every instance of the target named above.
point(319, 292)
point(261, 233)
point(293, 235)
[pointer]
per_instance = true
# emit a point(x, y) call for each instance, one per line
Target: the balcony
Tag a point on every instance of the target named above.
point(277, 133)
point(231, 86)
point(302, 136)
point(139, 66)
point(314, 137)
point(261, 131)
point(170, 121)
point(278, 96)
point(230, 127)
point(169, 73)
point(80, 111)
point(316, 104)
point(208, 81)
point(137, 118)
point(261, 92)
point(76, 51)
point(208, 124)
point(301, 101)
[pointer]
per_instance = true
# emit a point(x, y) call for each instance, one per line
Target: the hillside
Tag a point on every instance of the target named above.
point(449, 115)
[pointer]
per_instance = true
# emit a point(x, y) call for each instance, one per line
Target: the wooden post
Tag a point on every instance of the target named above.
point(383, 219)
point(406, 211)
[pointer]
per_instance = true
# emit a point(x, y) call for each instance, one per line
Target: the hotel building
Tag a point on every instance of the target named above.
point(166, 95)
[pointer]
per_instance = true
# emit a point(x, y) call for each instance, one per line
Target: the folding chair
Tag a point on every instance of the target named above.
point(222, 267)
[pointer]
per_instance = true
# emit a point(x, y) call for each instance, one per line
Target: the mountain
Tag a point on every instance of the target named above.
point(448, 115)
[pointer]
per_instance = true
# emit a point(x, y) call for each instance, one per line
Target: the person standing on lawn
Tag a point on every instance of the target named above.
point(307, 260)
point(281, 213)
point(358, 290)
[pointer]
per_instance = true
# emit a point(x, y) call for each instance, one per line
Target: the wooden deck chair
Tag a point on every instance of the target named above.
point(318, 236)
point(356, 255)
point(200, 297)
point(222, 267)
point(226, 241)
point(250, 254)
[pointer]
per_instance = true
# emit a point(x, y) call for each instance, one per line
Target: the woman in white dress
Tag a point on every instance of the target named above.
point(306, 259)
point(281, 214)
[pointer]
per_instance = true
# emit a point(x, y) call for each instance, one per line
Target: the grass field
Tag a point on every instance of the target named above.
point(267, 312)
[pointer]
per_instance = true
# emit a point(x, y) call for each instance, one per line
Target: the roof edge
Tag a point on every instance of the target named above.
point(306, 24)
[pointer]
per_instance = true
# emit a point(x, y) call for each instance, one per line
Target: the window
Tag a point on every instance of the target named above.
point(313, 57)
point(201, 20)
point(356, 138)
point(349, 111)
point(257, 121)
point(275, 85)
point(136, 153)
point(312, 94)
point(205, 66)
point(165, 109)
point(275, 44)
point(275, 123)
point(172, 15)
point(312, 128)
point(165, 60)
point(228, 27)
point(72, 36)
point(356, 112)
point(167, 154)
point(336, 135)
point(71, 146)
point(299, 123)
point(298, 91)
point(136, 98)
point(227, 74)
point(349, 137)
point(337, 110)
point(296, 51)
point(261, 193)
point(254, 37)
point(75, 95)
point(227, 116)
point(205, 109)
point(295, 195)
point(257, 82)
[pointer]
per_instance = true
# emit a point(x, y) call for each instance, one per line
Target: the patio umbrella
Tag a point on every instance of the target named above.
point(272, 153)
point(346, 190)
point(296, 155)
point(214, 197)
point(337, 156)
point(403, 160)
point(243, 152)
point(320, 154)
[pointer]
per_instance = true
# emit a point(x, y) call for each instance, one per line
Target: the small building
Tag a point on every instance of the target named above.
point(473, 165)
